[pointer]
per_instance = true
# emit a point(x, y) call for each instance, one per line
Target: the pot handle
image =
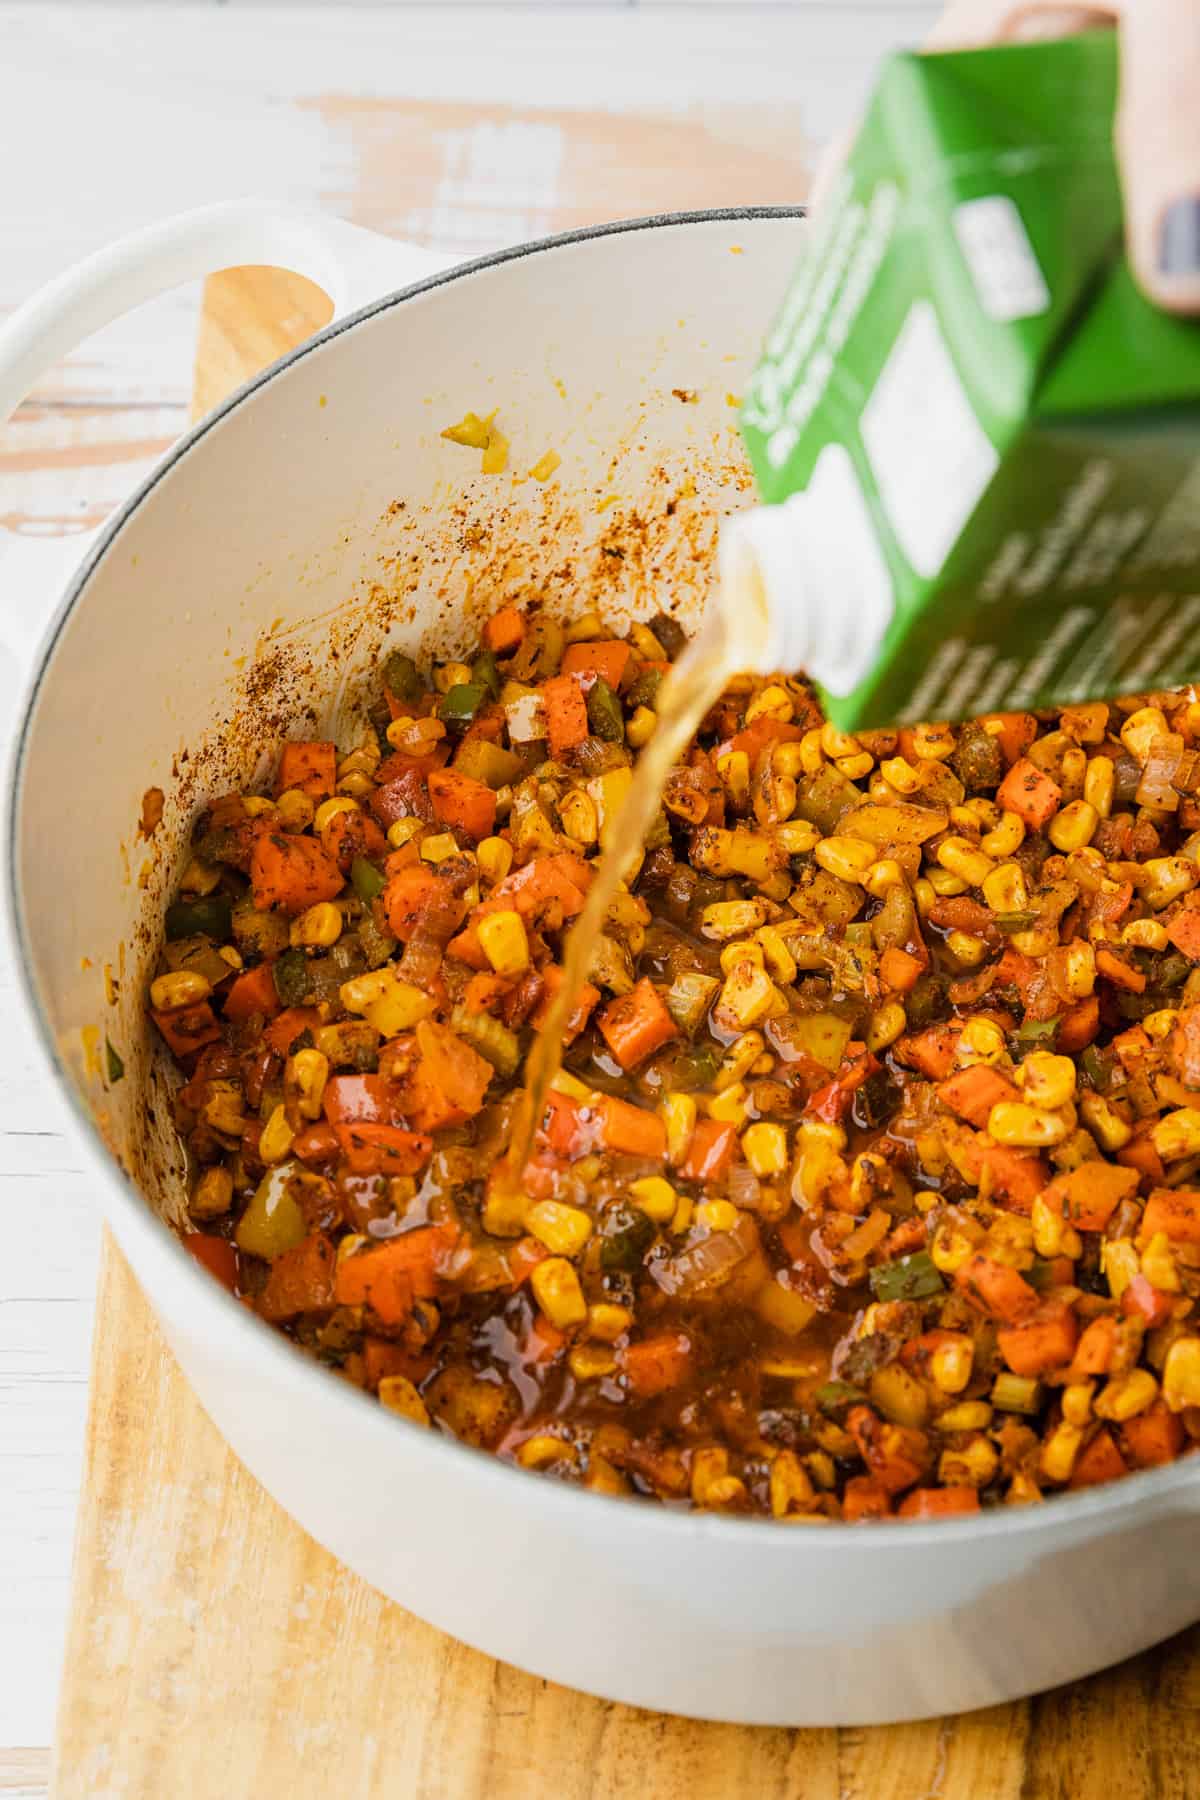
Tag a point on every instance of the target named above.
point(352, 265)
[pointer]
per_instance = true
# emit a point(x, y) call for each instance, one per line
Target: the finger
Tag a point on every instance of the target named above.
point(969, 24)
point(1158, 138)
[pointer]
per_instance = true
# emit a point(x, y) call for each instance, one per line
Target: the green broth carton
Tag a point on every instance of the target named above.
point(978, 442)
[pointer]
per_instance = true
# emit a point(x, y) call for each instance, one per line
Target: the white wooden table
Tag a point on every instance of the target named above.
point(116, 115)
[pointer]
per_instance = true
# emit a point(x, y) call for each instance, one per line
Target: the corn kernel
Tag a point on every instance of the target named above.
point(1126, 1395)
point(951, 1248)
point(305, 1075)
point(734, 770)
point(1119, 1261)
point(1177, 1134)
point(544, 1450)
point(951, 1364)
point(213, 1193)
point(678, 1112)
point(1004, 890)
point(1014, 1123)
point(848, 858)
point(933, 742)
point(981, 1040)
point(1181, 1374)
point(398, 1395)
point(607, 1321)
point(1077, 1402)
point(855, 767)
point(1145, 934)
point(295, 809)
point(943, 883)
point(772, 702)
point(729, 1107)
point(564, 1230)
point(924, 896)
point(276, 1137)
point(966, 949)
point(1080, 971)
point(505, 942)
point(1164, 878)
point(586, 629)
point(1047, 1080)
point(961, 857)
point(717, 1215)
point(1140, 730)
point(641, 727)
point(439, 847)
point(901, 775)
point(1004, 838)
point(790, 1485)
point(577, 813)
point(886, 1024)
point(683, 1215)
point(257, 806)
point(655, 1197)
point(403, 831)
point(591, 1362)
point(557, 1291)
point(779, 958)
point(742, 950)
point(199, 877)
point(748, 994)
point(738, 1059)
point(1099, 783)
point(882, 875)
point(765, 1148)
point(973, 1464)
point(968, 1415)
point(733, 918)
point(1159, 1265)
point(317, 927)
point(495, 858)
point(1106, 1125)
point(1159, 1025)
point(1059, 1452)
point(183, 987)
point(797, 837)
point(570, 1085)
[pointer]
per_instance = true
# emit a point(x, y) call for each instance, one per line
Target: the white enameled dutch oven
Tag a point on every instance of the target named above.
point(242, 593)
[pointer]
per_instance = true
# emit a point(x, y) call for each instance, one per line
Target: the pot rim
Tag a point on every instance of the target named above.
point(220, 1314)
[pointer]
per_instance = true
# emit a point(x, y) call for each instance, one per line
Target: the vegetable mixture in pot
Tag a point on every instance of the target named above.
point(871, 1181)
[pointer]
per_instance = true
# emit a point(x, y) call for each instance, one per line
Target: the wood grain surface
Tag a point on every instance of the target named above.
point(216, 1651)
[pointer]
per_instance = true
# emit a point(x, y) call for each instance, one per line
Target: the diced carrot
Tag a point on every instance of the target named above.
point(1098, 1461)
point(523, 1258)
point(1078, 1027)
point(1014, 732)
point(1040, 1343)
point(301, 1280)
point(586, 1001)
point(292, 873)
point(316, 1144)
point(504, 630)
point(1175, 1211)
point(1029, 793)
point(566, 713)
point(543, 1341)
point(1131, 1046)
point(216, 1255)
point(404, 797)
point(833, 1101)
point(408, 896)
point(608, 660)
point(1142, 1300)
point(636, 1024)
point(1015, 969)
point(630, 1130)
point(393, 1277)
point(381, 1358)
point(1015, 1176)
point(283, 1031)
point(311, 767)
point(360, 1100)
point(351, 834)
point(864, 1498)
point(972, 1093)
point(460, 801)
point(1184, 930)
point(400, 764)
point(565, 1124)
point(1139, 1153)
point(1096, 1348)
point(755, 737)
point(547, 891)
point(483, 993)
point(930, 1051)
point(710, 1153)
point(253, 992)
point(656, 1363)
point(996, 1288)
point(1088, 1197)
point(899, 970)
point(896, 1455)
point(448, 1082)
point(939, 1503)
point(186, 1029)
point(383, 1149)
point(1120, 973)
point(1153, 1437)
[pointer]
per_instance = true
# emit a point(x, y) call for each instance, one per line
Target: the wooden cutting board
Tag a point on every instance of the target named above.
point(215, 1651)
